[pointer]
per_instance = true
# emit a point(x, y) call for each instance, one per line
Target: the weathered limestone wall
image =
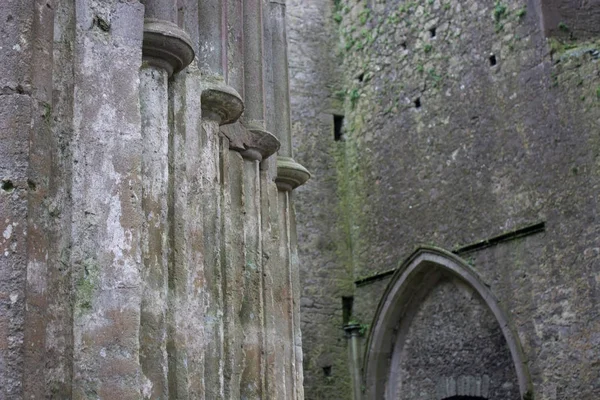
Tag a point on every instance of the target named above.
point(326, 270)
point(463, 121)
point(148, 246)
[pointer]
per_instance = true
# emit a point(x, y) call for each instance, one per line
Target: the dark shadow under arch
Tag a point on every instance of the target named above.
point(418, 268)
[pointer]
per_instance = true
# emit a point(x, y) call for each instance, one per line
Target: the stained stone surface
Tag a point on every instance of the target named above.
point(462, 121)
point(141, 255)
point(454, 337)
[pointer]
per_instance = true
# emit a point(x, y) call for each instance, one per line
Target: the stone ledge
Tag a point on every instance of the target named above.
point(290, 174)
point(166, 46)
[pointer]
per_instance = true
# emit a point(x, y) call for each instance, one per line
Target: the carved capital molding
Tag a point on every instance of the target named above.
point(252, 143)
point(290, 174)
point(166, 46)
point(221, 103)
point(354, 330)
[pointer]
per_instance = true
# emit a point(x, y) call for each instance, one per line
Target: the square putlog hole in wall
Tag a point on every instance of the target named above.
point(327, 371)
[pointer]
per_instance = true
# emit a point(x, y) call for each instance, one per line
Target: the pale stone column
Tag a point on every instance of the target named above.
point(234, 74)
point(106, 195)
point(221, 105)
point(354, 335)
point(212, 36)
point(23, 100)
point(290, 175)
point(254, 114)
point(167, 49)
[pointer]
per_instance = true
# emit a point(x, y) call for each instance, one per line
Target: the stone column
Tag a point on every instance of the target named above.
point(166, 49)
point(234, 17)
point(354, 335)
point(106, 196)
point(25, 52)
point(290, 175)
point(212, 36)
point(40, 189)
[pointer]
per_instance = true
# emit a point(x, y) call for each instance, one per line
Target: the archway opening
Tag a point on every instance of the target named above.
point(440, 332)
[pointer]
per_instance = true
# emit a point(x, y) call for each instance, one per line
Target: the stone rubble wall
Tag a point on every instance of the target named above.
point(463, 121)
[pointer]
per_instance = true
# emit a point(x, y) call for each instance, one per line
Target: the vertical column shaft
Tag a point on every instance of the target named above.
point(155, 132)
point(155, 233)
point(40, 189)
point(235, 45)
point(165, 10)
point(281, 95)
point(353, 334)
point(211, 35)
point(166, 49)
point(253, 67)
point(106, 192)
point(59, 311)
point(16, 108)
point(252, 386)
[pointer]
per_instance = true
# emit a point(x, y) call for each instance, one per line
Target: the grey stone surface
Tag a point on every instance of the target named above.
point(142, 256)
point(462, 121)
point(326, 269)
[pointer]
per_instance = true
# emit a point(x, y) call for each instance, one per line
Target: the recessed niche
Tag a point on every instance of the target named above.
point(418, 102)
point(327, 370)
point(492, 60)
point(432, 32)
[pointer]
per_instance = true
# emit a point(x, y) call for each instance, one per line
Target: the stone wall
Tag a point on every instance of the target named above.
point(326, 270)
point(464, 122)
point(148, 246)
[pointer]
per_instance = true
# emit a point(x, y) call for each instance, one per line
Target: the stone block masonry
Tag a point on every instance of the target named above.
point(433, 127)
point(148, 231)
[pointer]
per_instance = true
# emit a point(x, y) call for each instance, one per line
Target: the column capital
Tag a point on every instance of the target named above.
point(354, 330)
point(166, 46)
point(290, 174)
point(252, 142)
point(221, 102)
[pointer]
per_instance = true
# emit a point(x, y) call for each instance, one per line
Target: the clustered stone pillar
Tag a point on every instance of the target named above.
point(290, 175)
point(147, 250)
point(166, 49)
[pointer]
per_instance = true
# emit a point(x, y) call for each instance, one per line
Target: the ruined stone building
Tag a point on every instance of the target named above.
point(452, 222)
point(153, 161)
point(148, 236)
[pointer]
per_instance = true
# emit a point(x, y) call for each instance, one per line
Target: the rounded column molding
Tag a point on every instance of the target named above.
point(221, 103)
point(260, 144)
point(166, 46)
point(290, 174)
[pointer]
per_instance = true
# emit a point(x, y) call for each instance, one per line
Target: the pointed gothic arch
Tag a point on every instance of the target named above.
point(418, 274)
